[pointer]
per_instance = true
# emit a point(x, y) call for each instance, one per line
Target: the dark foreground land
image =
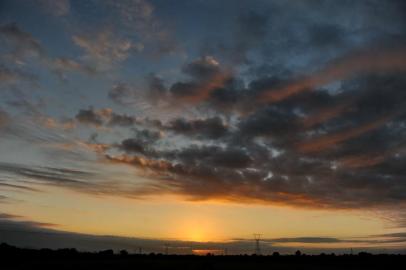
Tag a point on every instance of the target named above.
point(17, 258)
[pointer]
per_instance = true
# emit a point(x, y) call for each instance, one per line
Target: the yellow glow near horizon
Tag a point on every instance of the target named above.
point(171, 218)
point(197, 233)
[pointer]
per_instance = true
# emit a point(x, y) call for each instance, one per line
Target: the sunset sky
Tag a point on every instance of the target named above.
point(199, 123)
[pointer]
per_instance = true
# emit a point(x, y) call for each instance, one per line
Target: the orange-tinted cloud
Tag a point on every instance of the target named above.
point(345, 67)
point(142, 162)
point(370, 159)
point(360, 161)
point(203, 91)
point(329, 140)
point(325, 114)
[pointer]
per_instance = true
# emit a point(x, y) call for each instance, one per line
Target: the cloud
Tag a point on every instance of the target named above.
point(23, 43)
point(122, 120)
point(8, 216)
point(211, 128)
point(121, 93)
point(206, 77)
point(152, 92)
point(305, 240)
point(62, 65)
point(157, 90)
point(105, 117)
point(315, 149)
point(366, 61)
point(138, 19)
point(203, 68)
point(89, 117)
point(366, 240)
point(22, 46)
point(8, 186)
point(90, 181)
point(53, 176)
point(103, 50)
point(330, 140)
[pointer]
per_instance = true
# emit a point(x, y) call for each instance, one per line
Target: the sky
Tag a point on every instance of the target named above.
point(136, 123)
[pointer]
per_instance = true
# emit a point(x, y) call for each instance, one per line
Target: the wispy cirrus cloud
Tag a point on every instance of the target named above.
point(23, 46)
point(103, 50)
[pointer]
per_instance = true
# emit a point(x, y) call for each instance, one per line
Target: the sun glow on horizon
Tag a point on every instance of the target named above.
point(197, 232)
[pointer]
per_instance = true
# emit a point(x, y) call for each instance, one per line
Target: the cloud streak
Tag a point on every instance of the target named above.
point(368, 61)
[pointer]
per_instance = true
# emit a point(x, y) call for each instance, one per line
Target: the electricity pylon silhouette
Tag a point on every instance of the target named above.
point(166, 249)
point(257, 238)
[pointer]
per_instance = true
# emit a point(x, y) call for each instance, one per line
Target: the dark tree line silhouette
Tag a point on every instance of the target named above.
point(70, 258)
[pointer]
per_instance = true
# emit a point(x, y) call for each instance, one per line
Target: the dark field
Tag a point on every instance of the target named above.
point(16, 258)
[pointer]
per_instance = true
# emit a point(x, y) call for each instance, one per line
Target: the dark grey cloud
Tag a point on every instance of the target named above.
point(141, 143)
point(8, 216)
point(214, 156)
point(211, 128)
point(121, 93)
point(305, 240)
point(13, 223)
point(180, 89)
point(147, 135)
point(89, 116)
point(267, 155)
point(156, 89)
point(105, 117)
point(270, 121)
point(203, 68)
point(372, 239)
point(122, 120)
point(133, 146)
point(205, 77)
point(202, 77)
